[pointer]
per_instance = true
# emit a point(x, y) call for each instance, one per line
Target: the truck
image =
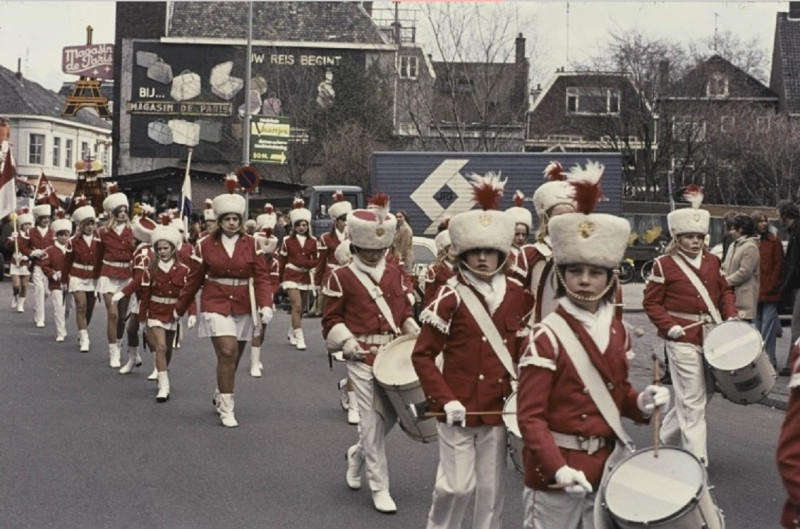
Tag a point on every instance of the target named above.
point(319, 198)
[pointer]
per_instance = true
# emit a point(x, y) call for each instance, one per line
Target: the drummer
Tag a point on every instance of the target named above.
point(357, 321)
point(788, 454)
point(566, 439)
point(674, 298)
point(470, 390)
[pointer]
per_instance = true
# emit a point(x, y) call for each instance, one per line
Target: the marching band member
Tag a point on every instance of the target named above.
point(236, 291)
point(40, 237)
point(479, 302)
point(52, 263)
point(184, 253)
point(80, 262)
point(367, 307)
point(115, 255)
point(685, 287)
point(209, 219)
point(298, 258)
point(267, 244)
point(443, 268)
point(788, 454)
point(567, 436)
point(19, 269)
point(522, 254)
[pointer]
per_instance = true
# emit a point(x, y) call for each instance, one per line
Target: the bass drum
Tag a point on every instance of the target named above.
point(669, 492)
point(514, 433)
point(395, 373)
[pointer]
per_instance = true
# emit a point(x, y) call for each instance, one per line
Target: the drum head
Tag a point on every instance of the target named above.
point(732, 345)
point(393, 365)
point(647, 489)
point(510, 414)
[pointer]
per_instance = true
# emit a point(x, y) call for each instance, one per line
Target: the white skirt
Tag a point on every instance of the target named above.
point(110, 285)
point(166, 326)
point(286, 285)
point(16, 270)
point(77, 284)
point(211, 324)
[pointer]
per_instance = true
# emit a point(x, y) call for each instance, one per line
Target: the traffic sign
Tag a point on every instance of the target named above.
point(248, 177)
point(269, 139)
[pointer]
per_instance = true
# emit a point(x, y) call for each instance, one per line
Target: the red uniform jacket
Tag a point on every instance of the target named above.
point(157, 295)
point(436, 274)
point(298, 262)
point(349, 303)
point(472, 372)
point(52, 262)
point(770, 268)
point(212, 261)
point(326, 245)
point(81, 259)
point(552, 397)
point(668, 289)
point(274, 267)
point(115, 253)
point(23, 245)
point(184, 253)
point(38, 241)
point(789, 453)
point(140, 269)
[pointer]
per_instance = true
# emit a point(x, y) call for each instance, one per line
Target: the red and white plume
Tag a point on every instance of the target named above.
point(379, 203)
point(165, 218)
point(147, 209)
point(586, 182)
point(298, 203)
point(61, 214)
point(693, 194)
point(338, 196)
point(487, 190)
point(519, 199)
point(266, 232)
point(209, 204)
point(80, 201)
point(554, 171)
point(112, 188)
point(268, 208)
point(231, 182)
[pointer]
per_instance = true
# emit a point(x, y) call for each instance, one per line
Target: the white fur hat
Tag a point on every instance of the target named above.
point(177, 223)
point(268, 219)
point(486, 227)
point(42, 210)
point(83, 213)
point(585, 237)
point(340, 206)
point(228, 203)
point(166, 233)
point(553, 192)
point(61, 225)
point(519, 212)
point(299, 212)
point(692, 219)
point(26, 217)
point(142, 228)
point(267, 242)
point(373, 228)
point(442, 239)
point(114, 199)
point(208, 212)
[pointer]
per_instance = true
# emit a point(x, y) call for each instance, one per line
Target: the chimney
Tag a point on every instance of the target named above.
point(520, 49)
point(18, 75)
point(794, 10)
point(663, 77)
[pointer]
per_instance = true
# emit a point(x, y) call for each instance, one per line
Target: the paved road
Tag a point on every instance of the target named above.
point(84, 447)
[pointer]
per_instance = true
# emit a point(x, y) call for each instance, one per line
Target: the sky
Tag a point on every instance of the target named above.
point(36, 31)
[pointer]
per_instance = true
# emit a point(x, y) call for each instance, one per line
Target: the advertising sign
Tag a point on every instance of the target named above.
point(93, 60)
point(269, 139)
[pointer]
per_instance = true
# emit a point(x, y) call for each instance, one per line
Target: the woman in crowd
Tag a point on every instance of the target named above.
point(79, 264)
point(770, 269)
point(741, 265)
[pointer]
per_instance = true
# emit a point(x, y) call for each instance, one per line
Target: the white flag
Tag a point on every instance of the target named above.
point(8, 188)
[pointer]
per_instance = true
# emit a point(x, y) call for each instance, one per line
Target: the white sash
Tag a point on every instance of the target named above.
point(699, 286)
point(376, 294)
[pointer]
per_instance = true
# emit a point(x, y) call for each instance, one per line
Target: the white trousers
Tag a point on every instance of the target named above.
point(470, 460)
point(685, 424)
point(372, 427)
point(557, 510)
point(59, 311)
point(39, 282)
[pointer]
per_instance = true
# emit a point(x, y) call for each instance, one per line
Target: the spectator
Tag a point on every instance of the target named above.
point(770, 267)
point(250, 226)
point(727, 219)
point(403, 246)
point(788, 213)
point(741, 266)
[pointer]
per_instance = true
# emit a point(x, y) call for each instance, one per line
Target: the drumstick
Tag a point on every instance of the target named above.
point(656, 382)
point(695, 324)
point(492, 412)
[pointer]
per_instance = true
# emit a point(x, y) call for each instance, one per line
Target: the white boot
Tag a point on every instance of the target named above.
point(352, 408)
point(163, 386)
point(301, 340)
point(14, 301)
point(215, 400)
point(83, 340)
point(355, 464)
point(291, 337)
point(226, 410)
point(131, 363)
point(344, 395)
point(21, 305)
point(255, 362)
point(154, 374)
point(113, 355)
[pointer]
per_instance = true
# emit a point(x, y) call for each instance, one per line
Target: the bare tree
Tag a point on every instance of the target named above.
point(748, 55)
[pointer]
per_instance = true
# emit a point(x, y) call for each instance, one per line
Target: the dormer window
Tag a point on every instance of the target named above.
point(407, 66)
point(592, 100)
point(717, 85)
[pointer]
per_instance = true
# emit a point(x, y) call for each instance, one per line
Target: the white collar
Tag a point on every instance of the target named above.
point(166, 266)
point(62, 247)
point(493, 291)
point(597, 324)
point(375, 272)
point(229, 243)
point(695, 261)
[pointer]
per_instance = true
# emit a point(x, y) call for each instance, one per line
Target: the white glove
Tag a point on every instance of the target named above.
point(14, 234)
point(266, 315)
point(191, 321)
point(676, 332)
point(57, 276)
point(117, 296)
point(456, 413)
point(37, 253)
point(651, 397)
point(351, 350)
point(575, 479)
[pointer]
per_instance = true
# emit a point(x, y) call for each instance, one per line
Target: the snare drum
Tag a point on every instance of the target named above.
point(514, 433)
point(668, 491)
point(395, 373)
point(735, 352)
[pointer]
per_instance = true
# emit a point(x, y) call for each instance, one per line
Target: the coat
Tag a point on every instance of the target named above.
point(788, 454)
point(115, 253)
point(81, 258)
point(298, 263)
point(163, 286)
point(770, 268)
point(741, 269)
point(326, 246)
point(53, 264)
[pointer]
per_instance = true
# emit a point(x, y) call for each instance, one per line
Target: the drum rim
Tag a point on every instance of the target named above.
point(677, 514)
point(708, 348)
point(376, 364)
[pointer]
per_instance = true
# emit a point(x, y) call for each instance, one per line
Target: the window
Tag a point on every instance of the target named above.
point(685, 128)
point(56, 152)
point(408, 67)
point(717, 85)
point(593, 100)
point(36, 149)
point(68, 153)
point(85, 152)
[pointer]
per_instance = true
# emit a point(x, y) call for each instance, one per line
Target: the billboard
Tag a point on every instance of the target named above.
point(185, 95)
point(92, 60)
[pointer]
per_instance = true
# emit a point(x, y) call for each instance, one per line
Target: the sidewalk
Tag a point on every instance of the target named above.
point(778, 397)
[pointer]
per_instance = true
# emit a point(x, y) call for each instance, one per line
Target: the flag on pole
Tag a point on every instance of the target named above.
point(186, 195)
point(46, 193)
point(8, 189)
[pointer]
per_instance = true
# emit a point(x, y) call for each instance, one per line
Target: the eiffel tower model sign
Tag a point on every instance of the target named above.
point(92, 63)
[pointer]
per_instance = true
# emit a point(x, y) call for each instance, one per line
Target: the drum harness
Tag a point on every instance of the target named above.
point(698, 285)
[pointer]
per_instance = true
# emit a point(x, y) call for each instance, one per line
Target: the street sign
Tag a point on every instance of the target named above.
point(248, 177)
point(269, 139)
